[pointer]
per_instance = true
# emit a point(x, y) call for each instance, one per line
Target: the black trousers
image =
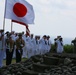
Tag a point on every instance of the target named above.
point(9, 56)
point(18, 55)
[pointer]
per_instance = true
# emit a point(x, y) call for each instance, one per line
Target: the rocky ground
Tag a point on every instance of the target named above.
point(47, 64)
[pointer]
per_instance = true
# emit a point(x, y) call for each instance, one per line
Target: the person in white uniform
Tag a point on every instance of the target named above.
point(36, 45)
point(48, 44)
point(24, 50)
point(43, 45)
point(59, 45)
point(2, 47)
point(39, 45)
point(32, 44)
point(28, 48)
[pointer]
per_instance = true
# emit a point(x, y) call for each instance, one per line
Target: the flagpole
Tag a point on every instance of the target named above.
point(4, 24)
point(25, 29)
point(11, 25)
point(4, 15)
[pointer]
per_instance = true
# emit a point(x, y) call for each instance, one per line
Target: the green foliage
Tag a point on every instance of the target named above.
point(67, 48)
point(53, 49)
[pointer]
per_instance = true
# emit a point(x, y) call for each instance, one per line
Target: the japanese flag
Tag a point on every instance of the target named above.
point(19, 10)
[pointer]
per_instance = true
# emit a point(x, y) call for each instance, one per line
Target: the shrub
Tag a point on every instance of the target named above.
point(67, 48)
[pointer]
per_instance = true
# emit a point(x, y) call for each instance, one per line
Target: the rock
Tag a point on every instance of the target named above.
point(50, 60)
point(18, 73)
point(59, 72)
point(74, 68)
point(47, 64)
point(67, 61)
point(74, 72)
point(29, 72)
point(40, 67)
point(8, 74)
point(44, 74)
point(36, 59)
point(69, 70)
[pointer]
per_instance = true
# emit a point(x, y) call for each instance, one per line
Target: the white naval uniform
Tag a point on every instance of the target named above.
point(32, 46)
point(28, 48)
point(36, 47)
point(43, 46)
point(48, 45)
point(39, 52)
point(59, 46)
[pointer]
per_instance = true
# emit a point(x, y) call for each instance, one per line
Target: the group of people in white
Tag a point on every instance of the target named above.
point(22, 45)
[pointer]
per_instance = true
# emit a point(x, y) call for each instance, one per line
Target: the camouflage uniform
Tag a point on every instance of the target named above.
point(19, 48)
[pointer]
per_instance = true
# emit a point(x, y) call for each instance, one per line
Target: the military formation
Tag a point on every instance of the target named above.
point(20, 45)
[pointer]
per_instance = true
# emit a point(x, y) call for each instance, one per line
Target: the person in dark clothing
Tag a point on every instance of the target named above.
point(55, 45)
point(9, 49)
point(19, 48)
point(74, 43)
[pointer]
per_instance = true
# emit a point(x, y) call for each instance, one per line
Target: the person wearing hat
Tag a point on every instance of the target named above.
point(19, 48)
point(43, 44)
point(48, 44)
point(59, 42)
point(38, 46)
point(30, 46)
point(74, 45)
point(35, 49)
point(55, 45)
point(9, 49)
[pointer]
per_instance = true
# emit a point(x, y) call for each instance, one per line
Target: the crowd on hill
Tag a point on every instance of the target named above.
point(20, 45)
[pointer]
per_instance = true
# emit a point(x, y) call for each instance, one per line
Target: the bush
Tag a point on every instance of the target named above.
point(67, 48)
point(53, 49)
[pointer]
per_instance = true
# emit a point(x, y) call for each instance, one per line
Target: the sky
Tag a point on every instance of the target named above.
point(52, 17)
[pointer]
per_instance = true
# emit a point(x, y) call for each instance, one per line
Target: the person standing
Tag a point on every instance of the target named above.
point(43, 45)
point(19, 48)
point(55, 45)
point(27, 47)
point(59, 45)
point(74, 43)
point(9, 49)
point(48, 44)
point(2, 47)
point(36, 45)
point(32, 44)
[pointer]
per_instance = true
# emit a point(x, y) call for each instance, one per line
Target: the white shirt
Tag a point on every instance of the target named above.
point(59, 46)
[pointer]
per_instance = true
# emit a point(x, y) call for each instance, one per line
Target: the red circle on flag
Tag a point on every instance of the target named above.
point(20, 10)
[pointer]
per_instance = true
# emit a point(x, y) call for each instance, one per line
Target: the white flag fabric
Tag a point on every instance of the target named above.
point(19, 10)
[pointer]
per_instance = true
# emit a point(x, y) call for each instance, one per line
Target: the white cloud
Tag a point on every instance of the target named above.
point(70, 3)
point(44, 2)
